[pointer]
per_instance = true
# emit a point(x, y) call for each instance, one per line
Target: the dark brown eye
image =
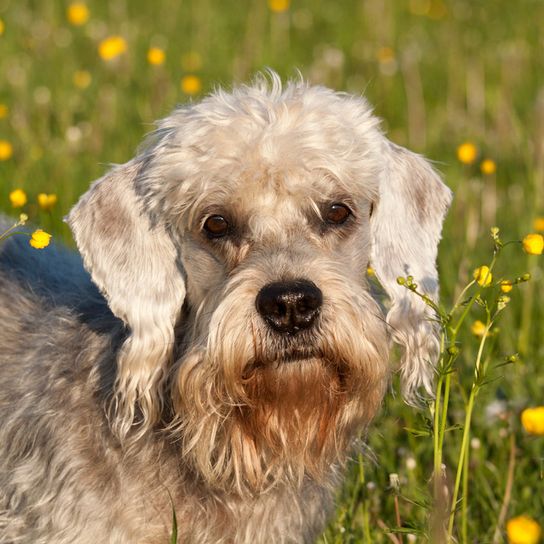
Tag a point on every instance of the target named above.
point(337, 214)
point(216, 226)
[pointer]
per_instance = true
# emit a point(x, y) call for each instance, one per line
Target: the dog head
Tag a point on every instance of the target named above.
point(242, 232)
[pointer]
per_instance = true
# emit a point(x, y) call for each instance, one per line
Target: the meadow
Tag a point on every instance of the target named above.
point(457, 80)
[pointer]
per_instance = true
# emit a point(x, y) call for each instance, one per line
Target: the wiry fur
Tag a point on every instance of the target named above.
point(164, 388)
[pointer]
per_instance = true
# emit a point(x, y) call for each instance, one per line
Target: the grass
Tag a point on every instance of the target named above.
point(439, 74)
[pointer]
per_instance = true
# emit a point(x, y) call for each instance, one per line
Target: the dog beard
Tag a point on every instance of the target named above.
point(247, 421)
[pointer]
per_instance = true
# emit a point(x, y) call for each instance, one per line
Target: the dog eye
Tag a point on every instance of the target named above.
point(337, 214)
point(216, 226)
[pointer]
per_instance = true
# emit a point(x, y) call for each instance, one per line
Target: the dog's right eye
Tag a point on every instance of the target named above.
point(337, 214)
point(216, 226)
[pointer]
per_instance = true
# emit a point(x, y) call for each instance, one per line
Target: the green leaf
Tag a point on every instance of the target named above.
point(456, 427)
point(417, 432)
point(174, 535)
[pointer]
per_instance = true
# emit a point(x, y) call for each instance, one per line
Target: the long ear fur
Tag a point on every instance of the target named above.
point(134, 264)
point(406, 225)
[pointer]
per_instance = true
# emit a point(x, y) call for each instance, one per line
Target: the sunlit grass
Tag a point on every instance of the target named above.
point(451, 79)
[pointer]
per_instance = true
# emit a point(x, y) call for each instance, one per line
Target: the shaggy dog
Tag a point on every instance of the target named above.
point(223, 351)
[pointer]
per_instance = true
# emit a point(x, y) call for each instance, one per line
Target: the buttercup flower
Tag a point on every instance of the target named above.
point(17, 198)
point(77, 13)
point(532, 420)
point(523, 530)
point(82, 79)
point(39, 239)
point(278, 6)
point(467, 153)
point(502, 301)
point(46, 202)
point(506, 286)
point(112, 47)
point(488, 167)
point(155, 56)
point(370, 271)
point(385, 54)
point(6, 150)
point(191, 84)
point(477, 328)
point(3, 111)
point(483, 276)
point(533, 244)
point(538, 224)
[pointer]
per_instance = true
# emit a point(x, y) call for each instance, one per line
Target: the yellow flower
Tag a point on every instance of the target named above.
point(506, 286)
point(155, 56)
point(278, 6)
point(370, 271)
point(3, 111)
point(46, 202)
point(533, 244)
point(191, 61)
point(82, 79)
point(385, 54)
point(6, 150)
point(467, 153)
point(483, 276)
point(523, 530)
point(538, 224)
point(532, 420)
point(1, 27)
point(488, 167)
point(17, 198)
point(191, 84)
point(77, 13)
point(477, 328)
point(112, 47)
point(39, 239)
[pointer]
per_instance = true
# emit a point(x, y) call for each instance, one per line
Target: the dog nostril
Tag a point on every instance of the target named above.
point(288, 307)
point(281, 310)
point(308, 303)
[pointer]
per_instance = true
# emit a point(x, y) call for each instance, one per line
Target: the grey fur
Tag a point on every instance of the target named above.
point(128, 395)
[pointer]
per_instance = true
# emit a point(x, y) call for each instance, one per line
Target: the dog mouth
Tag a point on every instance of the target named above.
point(296, 354)
point(290, 355)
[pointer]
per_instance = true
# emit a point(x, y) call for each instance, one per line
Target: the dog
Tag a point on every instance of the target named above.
point(216, 351)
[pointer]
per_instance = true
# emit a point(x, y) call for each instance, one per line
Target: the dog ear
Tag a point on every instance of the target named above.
point(134, 263)
point(406, 224)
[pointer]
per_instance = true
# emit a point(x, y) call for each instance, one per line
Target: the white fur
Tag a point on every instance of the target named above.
point(204, 407)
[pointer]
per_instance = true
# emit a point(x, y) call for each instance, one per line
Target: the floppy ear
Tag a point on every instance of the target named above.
point(133, 262)
point(406, 224)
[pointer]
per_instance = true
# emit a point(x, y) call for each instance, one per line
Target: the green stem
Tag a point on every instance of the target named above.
point(464, 499)
point(10, 232)
point(466, 430)
point(366, 522)
point(436, 436)
point(461, 296)
point(436, 419)
point(444, 417)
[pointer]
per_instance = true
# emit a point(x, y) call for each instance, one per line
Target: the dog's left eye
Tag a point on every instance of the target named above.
point(216, 226)
point(337, 214)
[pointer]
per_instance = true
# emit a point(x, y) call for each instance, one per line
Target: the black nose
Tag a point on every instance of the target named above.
point(289, 306)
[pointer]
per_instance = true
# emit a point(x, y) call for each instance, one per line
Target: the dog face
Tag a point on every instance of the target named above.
point(247, 224)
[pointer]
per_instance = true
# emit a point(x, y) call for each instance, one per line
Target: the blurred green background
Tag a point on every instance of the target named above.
point(439, 73)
